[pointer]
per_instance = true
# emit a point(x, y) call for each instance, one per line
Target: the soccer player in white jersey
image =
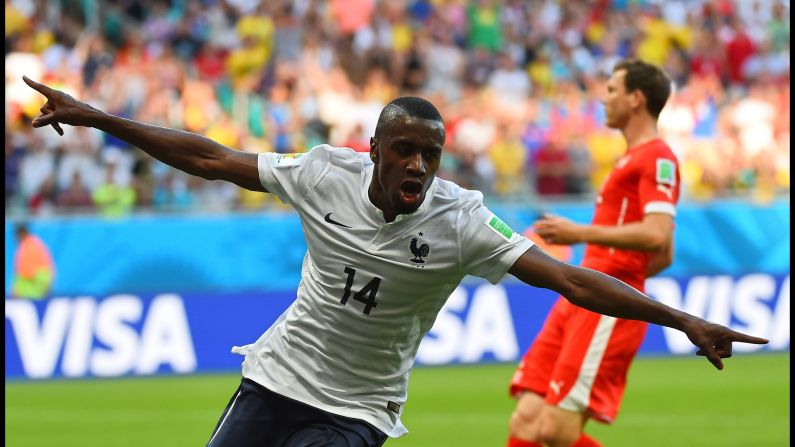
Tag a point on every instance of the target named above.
point(387, 243)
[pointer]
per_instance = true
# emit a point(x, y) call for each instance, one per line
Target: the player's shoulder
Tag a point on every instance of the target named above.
point(342, 157)
point(659, 149)
point(451, 194)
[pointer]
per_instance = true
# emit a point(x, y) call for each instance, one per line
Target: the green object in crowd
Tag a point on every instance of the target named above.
point(114, 200)
point(34, 288)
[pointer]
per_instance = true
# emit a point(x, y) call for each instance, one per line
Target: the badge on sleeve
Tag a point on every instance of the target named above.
point(666, 172)
point(288, 159)
point(496, 225)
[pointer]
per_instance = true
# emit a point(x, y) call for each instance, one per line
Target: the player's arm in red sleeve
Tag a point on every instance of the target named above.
point(189, 152)
point(658, 194)
point(603, 294)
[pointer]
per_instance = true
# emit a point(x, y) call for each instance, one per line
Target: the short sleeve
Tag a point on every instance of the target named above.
point(489, 247)
point(292, 176)
point(659, 183)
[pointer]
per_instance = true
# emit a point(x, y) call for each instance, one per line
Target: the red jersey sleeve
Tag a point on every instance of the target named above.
point(659, 182)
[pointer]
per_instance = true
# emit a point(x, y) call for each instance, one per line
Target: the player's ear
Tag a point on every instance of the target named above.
point(638, 99)
point(373, 149)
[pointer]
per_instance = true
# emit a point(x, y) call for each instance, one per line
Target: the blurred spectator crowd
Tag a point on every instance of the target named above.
point(519, 83)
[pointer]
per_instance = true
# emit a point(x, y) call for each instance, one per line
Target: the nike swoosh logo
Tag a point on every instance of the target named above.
point(329, 220)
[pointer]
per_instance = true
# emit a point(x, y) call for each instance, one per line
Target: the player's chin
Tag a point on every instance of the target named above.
point(615, 122)
point(408, 203)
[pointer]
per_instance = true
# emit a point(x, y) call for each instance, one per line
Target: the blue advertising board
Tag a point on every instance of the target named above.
point(171, 333)
point(264, 251)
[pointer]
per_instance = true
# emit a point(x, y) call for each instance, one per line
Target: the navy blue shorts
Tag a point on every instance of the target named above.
point(259, 417)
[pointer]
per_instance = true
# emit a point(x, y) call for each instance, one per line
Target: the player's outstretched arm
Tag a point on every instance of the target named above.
point(189, 152)
point(603, 294)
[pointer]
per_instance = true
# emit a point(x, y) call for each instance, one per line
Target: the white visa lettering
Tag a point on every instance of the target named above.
point(39, 345)
point(113, 330)
point(72, 324)
point(165, 337)
point(666, 291)
point(750, 294)
point(779, 335)
point(441, 344)
point(489, 326)
point(719, 298)
point(79, 337)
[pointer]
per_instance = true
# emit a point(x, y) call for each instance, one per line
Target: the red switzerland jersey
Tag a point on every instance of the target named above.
point(645, 180)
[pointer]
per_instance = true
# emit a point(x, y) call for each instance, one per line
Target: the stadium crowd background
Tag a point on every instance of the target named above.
point(518, 83)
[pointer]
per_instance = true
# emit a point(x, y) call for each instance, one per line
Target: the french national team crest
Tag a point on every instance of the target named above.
point(420, 250)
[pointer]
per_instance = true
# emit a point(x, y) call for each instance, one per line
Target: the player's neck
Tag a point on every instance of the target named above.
point(377, 198)
point(639, 131)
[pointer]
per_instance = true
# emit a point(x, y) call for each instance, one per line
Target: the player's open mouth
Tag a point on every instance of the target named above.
point(410, 191)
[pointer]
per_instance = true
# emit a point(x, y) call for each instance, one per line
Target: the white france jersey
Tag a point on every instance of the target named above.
point(369, 290)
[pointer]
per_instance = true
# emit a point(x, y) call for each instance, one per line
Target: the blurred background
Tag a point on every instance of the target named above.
point(519, 84)
point(118, 265)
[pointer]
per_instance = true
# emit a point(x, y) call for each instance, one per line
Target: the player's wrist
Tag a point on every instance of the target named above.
point(581, 234)
point(685, 322)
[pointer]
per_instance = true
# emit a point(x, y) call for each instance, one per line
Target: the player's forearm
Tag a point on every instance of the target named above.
point(660, 260)
point(606, 295)
point(185, 151)
point(655, 267)
point(633, 236)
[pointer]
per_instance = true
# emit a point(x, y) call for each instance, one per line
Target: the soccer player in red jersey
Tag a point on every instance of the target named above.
point(576, 369)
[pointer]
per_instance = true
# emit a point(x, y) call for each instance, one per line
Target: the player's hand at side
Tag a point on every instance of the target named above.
point(557, 230)
point(60, 108)
point(715, 341)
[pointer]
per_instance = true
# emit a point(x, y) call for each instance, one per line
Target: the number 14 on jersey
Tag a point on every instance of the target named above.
point(366, 295)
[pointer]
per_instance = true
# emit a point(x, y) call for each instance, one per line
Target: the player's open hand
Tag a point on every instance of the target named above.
point(715, 341)
point(59, 108)
point(557, 230)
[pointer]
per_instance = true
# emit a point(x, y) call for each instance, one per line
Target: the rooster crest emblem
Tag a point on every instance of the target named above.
point(419, 249)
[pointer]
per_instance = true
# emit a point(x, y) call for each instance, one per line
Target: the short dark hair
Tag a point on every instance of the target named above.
point(21, 228)
point(650, 80)
point(409, 106)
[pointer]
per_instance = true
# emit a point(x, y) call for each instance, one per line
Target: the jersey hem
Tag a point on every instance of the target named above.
point(395, 432)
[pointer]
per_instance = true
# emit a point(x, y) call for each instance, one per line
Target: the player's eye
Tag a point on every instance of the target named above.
point(432, 155)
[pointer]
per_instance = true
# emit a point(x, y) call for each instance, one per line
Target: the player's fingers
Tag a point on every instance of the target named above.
point(723, 352)
point(41, 88)
point(44, 120)
point(744, 338)
point(57, 128)
point(713, 357)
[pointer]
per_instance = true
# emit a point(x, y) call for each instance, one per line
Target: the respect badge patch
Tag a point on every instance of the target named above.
point(498, 226)
point(666, 172)
point(289, 159)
